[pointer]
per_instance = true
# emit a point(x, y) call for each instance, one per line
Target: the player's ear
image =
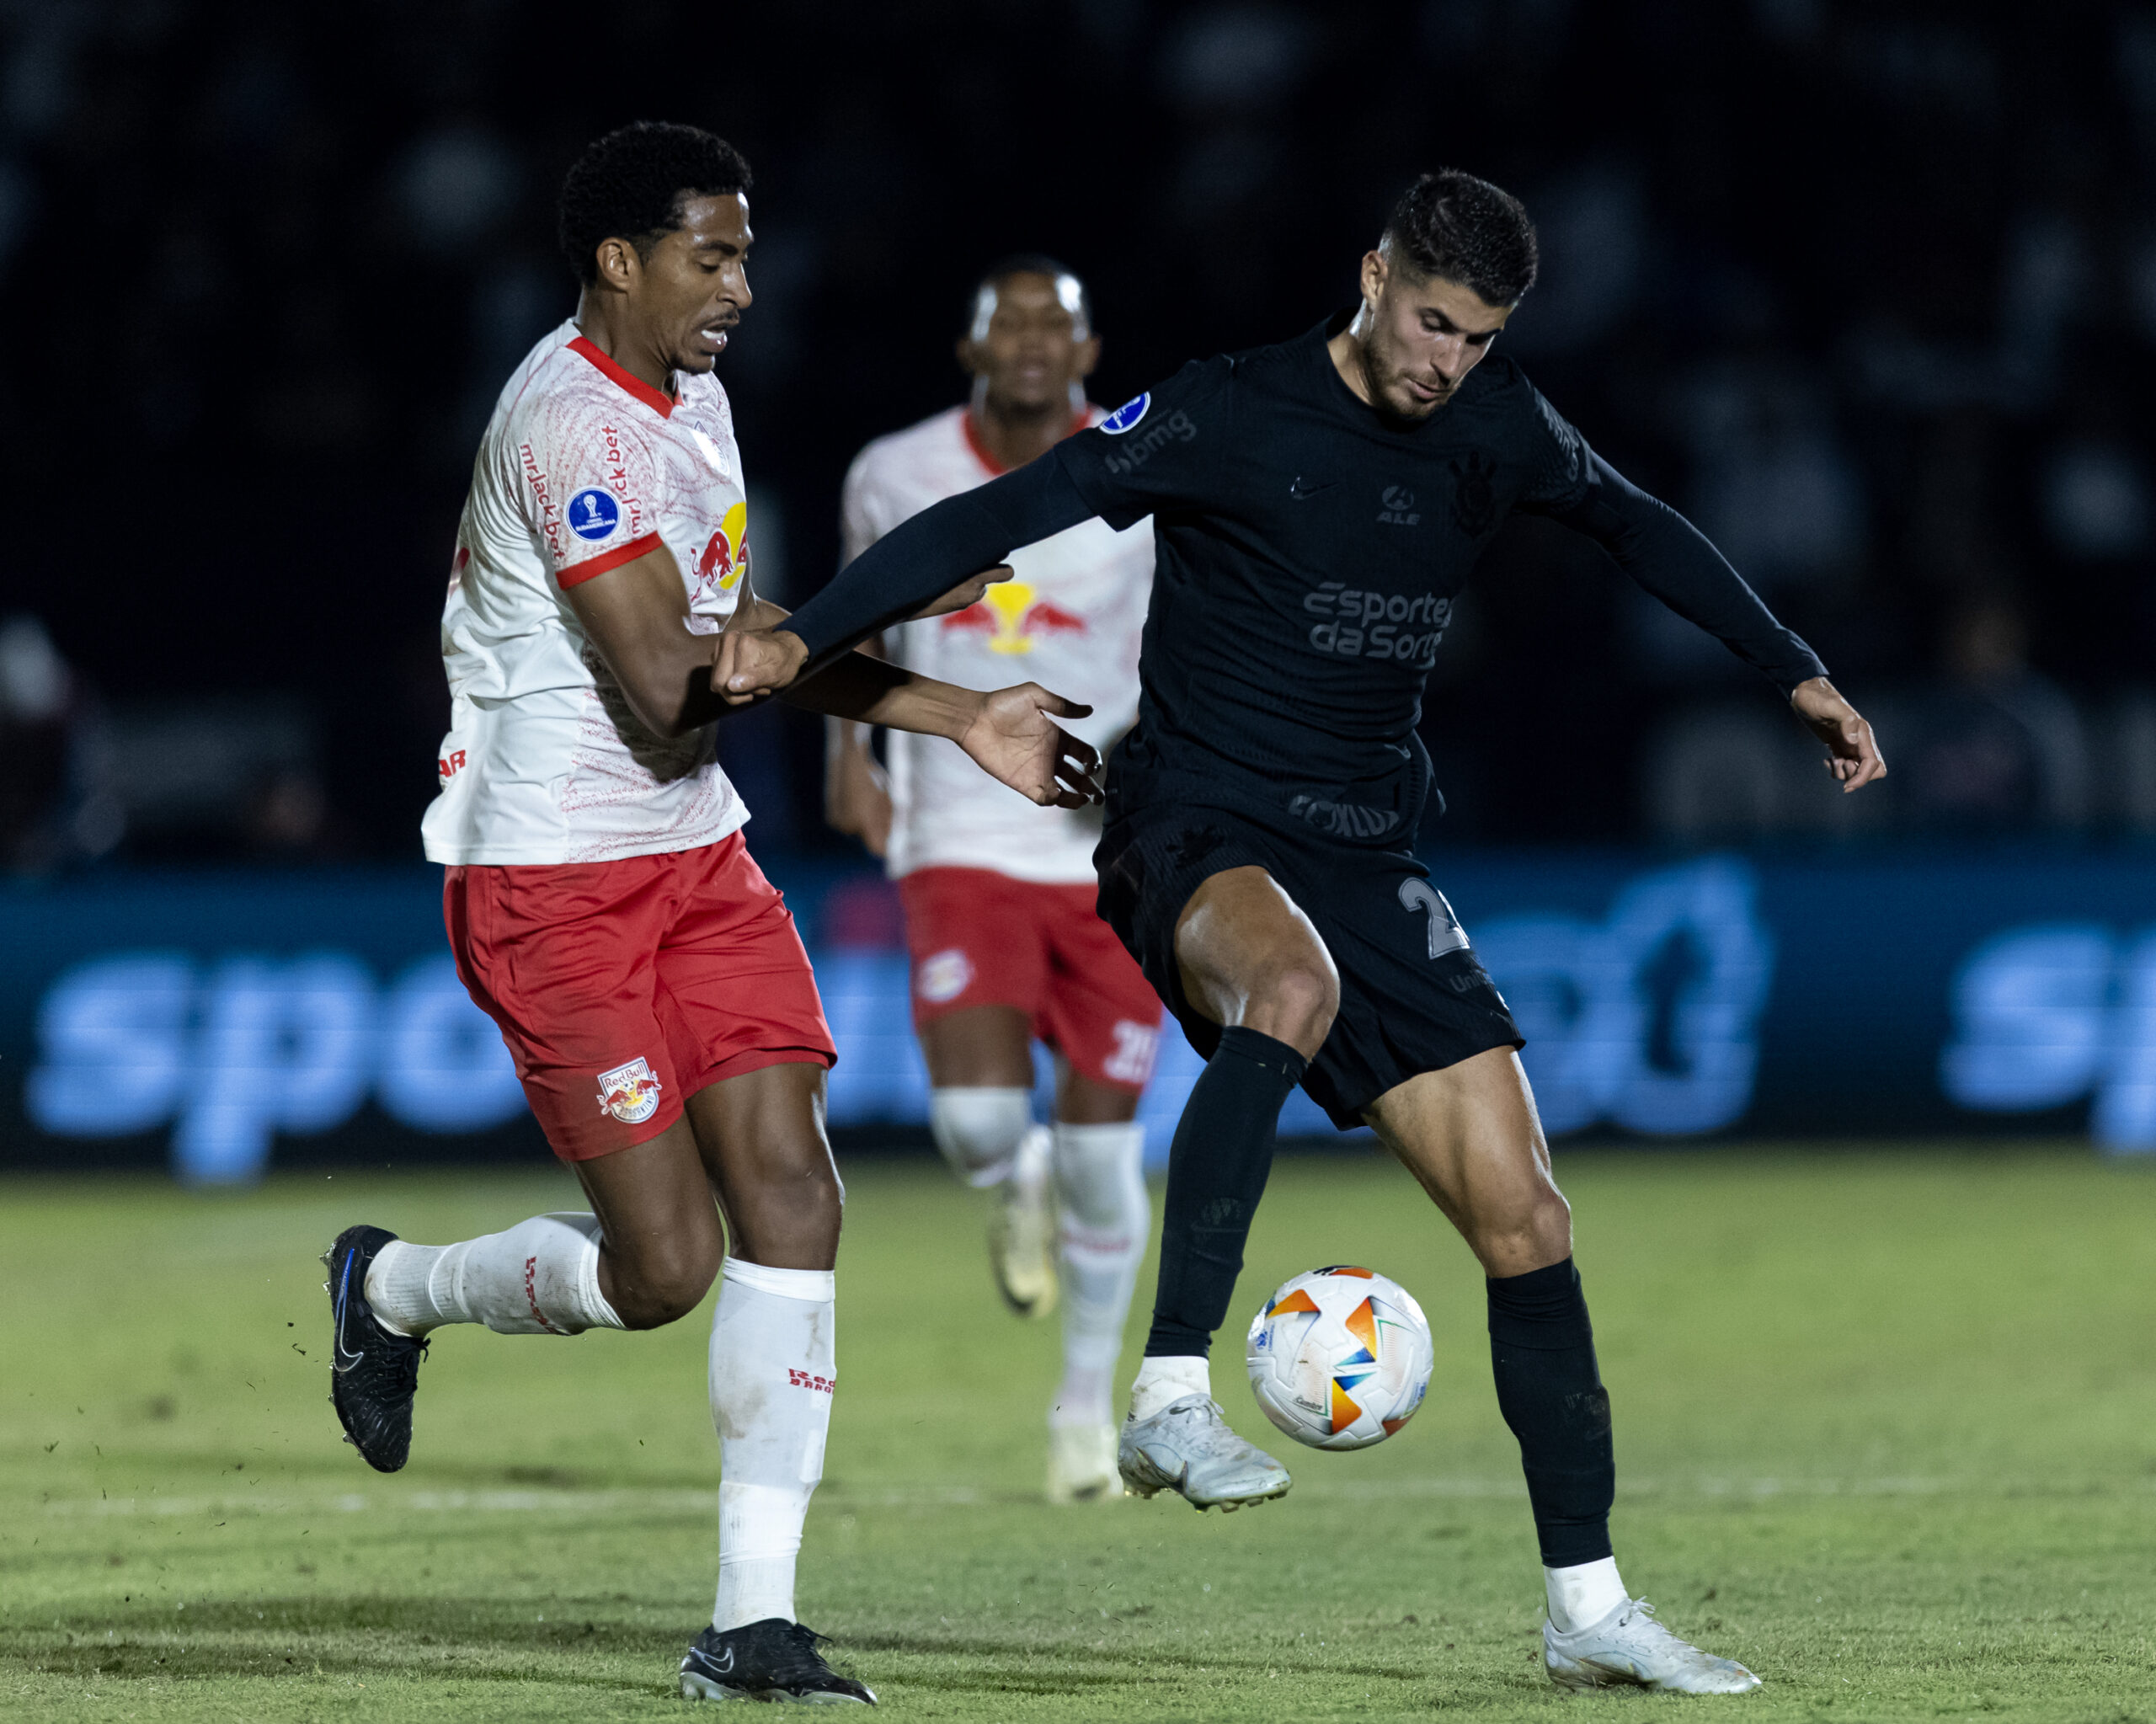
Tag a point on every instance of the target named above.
point(619, 265)
point(1088, 355)
point(1375, 275)
point(967, 358)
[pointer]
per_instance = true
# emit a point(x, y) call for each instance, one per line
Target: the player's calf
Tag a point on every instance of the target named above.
point(987, 1135)
point(1100, 1183)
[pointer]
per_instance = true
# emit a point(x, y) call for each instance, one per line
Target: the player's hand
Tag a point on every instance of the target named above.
point(857, 797)
point(967, 594)
point(1014, 739)
point(752, 662)
point(1852, 753)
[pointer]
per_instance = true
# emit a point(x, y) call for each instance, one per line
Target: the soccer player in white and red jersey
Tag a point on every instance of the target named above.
point(603, 909)
point(999, 894)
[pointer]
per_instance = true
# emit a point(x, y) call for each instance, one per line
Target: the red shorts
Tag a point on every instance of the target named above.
point(622, 988)
point(979, 938)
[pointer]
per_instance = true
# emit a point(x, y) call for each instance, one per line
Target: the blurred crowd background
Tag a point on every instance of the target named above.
point(1868, 290)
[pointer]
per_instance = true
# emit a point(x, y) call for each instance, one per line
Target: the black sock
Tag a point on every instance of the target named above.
point(1542, 1351)
point(1217, 1168)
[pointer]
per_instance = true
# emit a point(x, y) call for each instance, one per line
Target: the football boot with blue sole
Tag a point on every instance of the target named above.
point(770, 1660)
point(374, 1371)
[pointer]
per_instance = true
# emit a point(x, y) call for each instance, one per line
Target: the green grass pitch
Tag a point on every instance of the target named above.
point(1886, 1424)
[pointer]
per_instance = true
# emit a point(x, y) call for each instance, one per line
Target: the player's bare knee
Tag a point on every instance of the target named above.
point(1550, 1225)
point(663, 1287)
point(1529, 1233)
point(1296, 1003)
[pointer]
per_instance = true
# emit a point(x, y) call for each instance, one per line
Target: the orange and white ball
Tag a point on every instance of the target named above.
point(1339, 1358)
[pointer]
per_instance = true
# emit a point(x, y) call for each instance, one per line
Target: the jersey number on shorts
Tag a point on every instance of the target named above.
point(1446, 934)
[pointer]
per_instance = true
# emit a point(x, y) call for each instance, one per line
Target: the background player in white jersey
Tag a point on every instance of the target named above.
point(602, 908)
point(998, 892)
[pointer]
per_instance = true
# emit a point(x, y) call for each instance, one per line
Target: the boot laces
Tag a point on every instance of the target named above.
point(799, 1660)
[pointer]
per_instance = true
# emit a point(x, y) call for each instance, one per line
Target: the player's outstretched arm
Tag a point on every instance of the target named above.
point(1673, 559)
point(915, 566)
point(1010, 734)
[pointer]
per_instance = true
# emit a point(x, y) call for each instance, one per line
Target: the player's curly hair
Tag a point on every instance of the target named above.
point(1451, 224)
point(629, 185)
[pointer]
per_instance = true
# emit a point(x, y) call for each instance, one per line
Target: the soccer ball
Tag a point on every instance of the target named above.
point(1340, 1357)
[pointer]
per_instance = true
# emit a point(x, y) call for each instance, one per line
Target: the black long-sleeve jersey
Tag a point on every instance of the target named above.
point(1309, 553)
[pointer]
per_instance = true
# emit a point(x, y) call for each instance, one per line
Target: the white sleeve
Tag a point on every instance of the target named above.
point(590, 489)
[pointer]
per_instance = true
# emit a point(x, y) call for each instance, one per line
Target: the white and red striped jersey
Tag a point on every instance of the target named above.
point(583, 467)
point(1069, 618)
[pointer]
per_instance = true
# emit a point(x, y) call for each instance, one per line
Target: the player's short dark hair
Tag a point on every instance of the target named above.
point(629, 185)
point(1029, 264)
point(1451, 224)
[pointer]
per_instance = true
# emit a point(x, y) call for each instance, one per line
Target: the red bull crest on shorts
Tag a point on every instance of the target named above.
point(629, 1092)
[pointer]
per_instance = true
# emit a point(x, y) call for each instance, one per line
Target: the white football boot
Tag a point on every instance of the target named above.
point(1082, 1464)
point(1187, 1448)
point(1628, 1648)
point(1022, 1237)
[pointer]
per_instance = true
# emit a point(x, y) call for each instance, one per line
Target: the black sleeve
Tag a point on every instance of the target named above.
point(1158, 450)
point(922, 558)
point(1673, 560)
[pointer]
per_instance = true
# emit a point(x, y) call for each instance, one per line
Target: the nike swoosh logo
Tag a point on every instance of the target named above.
point(1303, 488)
point(345, 1358)
point(724, 1662)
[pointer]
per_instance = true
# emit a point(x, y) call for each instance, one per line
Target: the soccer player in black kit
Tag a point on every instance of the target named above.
point(1317, 506)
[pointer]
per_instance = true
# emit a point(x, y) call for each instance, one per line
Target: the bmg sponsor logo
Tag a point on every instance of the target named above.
point(1176, 428)
point(1363, 625)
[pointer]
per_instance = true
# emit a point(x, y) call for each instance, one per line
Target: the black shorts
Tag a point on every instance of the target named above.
point(1413, 996)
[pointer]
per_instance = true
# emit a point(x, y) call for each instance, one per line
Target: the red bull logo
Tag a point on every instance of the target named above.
point(1013, 619)
point(725, 558)
point(630, 1092)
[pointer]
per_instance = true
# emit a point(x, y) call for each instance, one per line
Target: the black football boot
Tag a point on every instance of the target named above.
point(373, 1371)
point(770, 1660)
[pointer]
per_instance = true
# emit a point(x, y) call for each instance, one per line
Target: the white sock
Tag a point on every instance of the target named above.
point(979, 1130)
point(771, 1375)
point(1161, 1382)
point(1583, 1595)
point(1100, 1186)
point(541, 1278)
